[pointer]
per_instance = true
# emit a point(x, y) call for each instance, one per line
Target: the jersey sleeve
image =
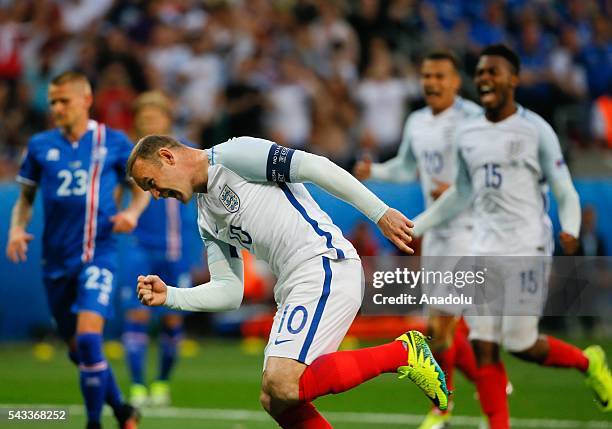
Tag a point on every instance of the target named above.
point(30, 170)
point(255, 159)
point(401, 168)
point(261, 160)
point(558, 176)
point(225, 289)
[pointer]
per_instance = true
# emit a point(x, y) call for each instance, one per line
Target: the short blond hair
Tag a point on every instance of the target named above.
point(72, 76)
point(156, 99)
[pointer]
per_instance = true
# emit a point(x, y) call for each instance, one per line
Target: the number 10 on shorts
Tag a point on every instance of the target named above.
point(292, 322)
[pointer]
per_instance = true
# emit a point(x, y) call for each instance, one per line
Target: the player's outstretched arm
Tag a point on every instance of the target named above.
point(223, 292)
point(452, 202)
point(263, 161)
point(18, 238)
point(558, 176)
point(399, 169)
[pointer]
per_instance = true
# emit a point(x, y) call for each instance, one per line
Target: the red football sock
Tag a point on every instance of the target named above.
point(465, 359)
point(446, 359)
point(565, 355)
point(491, 384)
point(302, 416)
point(340, 371)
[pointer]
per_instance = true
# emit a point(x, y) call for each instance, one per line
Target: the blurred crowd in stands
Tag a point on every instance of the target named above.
point(335, 77)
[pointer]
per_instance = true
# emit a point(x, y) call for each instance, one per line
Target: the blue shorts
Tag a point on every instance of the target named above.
point(86, 287)
point(142, 261)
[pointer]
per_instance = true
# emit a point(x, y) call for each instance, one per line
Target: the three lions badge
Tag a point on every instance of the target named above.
point(229, 199)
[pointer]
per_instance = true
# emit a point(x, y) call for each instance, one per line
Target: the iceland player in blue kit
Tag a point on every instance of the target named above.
point(157, 246)
point(77, 166)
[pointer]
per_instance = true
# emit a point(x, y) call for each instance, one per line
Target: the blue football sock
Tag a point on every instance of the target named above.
point(113, 394)
point(93, 377)
point(135, 341)
point(169, 340)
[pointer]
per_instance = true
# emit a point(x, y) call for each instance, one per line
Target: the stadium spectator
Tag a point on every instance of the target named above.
point(244, 101)
point(536, 88)
point(114, 98)
point(329, 39)
point(289, 115)
point(334, 118)
point(597, 57)
point(201, 79)
point(382, 97)
point(77, 166)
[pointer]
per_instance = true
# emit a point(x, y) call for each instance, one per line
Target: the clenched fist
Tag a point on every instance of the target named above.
point(151, 290)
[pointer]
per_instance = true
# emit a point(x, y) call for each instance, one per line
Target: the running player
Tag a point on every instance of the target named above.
point(503, 157)
point(249, 196)
point(78, 165)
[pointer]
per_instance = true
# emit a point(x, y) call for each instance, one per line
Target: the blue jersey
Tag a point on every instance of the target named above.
point(161, 227)
point(77, 181)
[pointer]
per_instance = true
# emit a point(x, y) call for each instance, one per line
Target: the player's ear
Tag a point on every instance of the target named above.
point(166, 155)
point(457, 81)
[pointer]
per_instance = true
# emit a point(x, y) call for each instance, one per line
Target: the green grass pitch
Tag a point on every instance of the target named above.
point(222, 377)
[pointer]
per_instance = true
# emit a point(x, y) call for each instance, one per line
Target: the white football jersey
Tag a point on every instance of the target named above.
point(506, 163)
point(278, 222)
point(430, 140)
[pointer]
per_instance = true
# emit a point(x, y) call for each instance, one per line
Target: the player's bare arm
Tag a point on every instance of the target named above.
point(17, 246)
point(127, 219)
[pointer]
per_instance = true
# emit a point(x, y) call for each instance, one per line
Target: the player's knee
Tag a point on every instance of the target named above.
point(172, 321)
point(536, 352)
point(279, 388)
point(486, 352)
point(138, 315)
point(441, 329)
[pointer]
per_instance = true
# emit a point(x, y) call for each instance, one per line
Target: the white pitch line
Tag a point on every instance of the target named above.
point(345, 417)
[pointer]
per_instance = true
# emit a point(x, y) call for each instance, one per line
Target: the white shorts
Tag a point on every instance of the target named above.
point(517, 291)
point(442, 253)
point(317, 304)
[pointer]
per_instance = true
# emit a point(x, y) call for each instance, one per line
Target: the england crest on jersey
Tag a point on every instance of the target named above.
point(229, 199)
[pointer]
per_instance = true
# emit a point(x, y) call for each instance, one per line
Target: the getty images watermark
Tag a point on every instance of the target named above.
point(438, 287)
point(488, 285)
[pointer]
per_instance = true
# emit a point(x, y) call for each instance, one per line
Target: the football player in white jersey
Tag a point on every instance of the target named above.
point(503, 157)
point(249, 195)
point(427, 148)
